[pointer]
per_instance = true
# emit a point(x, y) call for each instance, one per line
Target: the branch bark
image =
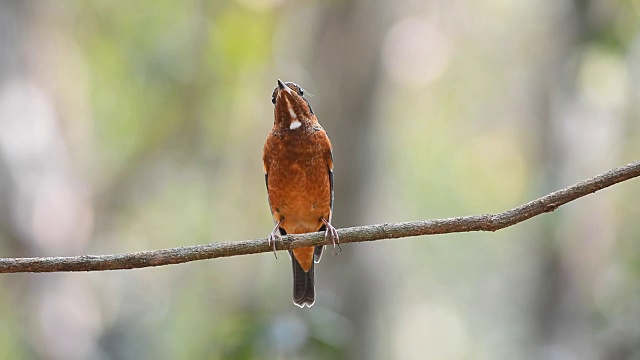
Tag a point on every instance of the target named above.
point(487, 222)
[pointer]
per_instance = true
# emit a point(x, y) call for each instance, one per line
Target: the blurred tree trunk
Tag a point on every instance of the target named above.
point(346, 67)
point(43, 204)
point(12, 30)
point(577, 139)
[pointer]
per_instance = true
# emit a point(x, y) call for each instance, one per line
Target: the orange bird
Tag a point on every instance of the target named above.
point(298, 170)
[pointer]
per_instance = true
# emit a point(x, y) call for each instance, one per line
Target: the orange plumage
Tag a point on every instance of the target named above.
point(298, 167)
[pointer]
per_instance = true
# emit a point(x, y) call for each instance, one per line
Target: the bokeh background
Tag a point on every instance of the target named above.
point(128, 126)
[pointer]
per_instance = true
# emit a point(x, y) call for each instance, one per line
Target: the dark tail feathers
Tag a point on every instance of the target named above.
point(304, 293)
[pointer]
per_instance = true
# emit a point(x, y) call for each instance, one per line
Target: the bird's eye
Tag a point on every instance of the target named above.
point(301, 91)
point(273, 100)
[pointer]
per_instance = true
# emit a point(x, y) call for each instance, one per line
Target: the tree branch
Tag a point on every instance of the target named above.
point(487, 222)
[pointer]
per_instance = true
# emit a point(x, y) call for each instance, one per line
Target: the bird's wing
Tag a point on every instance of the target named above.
point(265, 169)
point(318, 250)
point(331, 183)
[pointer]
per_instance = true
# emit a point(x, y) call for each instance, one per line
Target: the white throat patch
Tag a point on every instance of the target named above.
point(295, 124)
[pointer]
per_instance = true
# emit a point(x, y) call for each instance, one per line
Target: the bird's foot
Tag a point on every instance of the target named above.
point(273, 237)
point(331, 231)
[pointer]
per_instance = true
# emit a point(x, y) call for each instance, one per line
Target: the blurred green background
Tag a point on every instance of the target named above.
point(128, 126)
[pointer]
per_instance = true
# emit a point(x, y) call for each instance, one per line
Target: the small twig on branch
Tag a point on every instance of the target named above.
point(487, 222)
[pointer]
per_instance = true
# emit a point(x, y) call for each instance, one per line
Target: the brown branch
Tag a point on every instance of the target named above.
point(488, 222)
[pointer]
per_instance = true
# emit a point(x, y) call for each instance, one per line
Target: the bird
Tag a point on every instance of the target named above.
point(298, 172)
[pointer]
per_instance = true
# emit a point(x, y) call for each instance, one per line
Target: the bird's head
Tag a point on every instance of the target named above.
point(292, 111)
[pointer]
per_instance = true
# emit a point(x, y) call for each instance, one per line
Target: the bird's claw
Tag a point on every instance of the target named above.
point(331, 231)
point(273, 237)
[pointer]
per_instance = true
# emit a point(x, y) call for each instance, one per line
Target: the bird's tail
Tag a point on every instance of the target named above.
point(304, 293)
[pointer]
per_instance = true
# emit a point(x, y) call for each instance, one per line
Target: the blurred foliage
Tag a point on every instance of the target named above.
point(154, 115)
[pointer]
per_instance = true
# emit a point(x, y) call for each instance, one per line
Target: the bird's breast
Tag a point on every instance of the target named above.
point(298, 185)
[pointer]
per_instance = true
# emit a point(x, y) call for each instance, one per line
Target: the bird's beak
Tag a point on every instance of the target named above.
point(284, 87)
